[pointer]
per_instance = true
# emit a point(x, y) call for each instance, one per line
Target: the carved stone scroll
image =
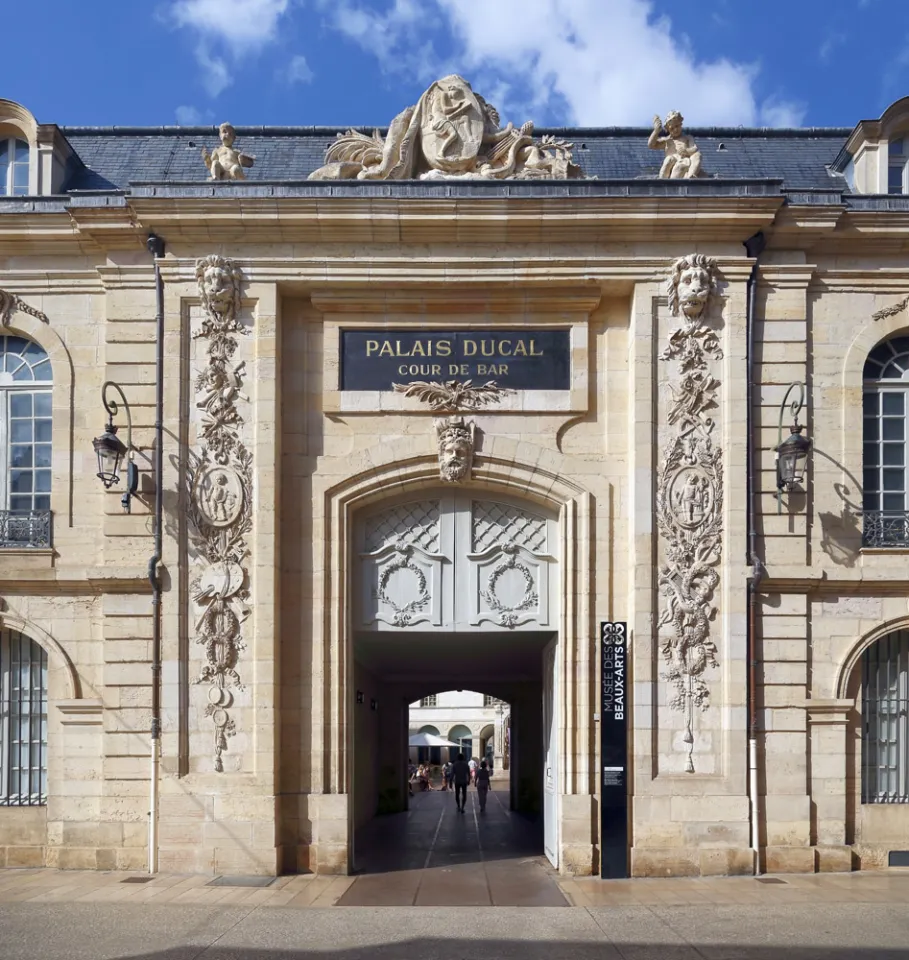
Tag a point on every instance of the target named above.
point(689, 497)
point(10, 302)
point(219, 481)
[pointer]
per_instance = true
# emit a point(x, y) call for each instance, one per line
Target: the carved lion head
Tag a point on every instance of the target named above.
point(692, 280)
point(219, 285)
point(456, 442)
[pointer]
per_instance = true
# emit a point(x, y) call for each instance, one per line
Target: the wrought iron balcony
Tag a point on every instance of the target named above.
point(25, 528)
point(885, 528)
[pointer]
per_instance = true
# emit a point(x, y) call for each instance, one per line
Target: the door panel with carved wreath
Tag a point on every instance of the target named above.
point(455, 562)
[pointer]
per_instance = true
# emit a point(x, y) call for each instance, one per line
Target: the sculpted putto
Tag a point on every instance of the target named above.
point(450, 133)
point(690, 283)
point(225, 162)
point(456, 445)
point(683, 158)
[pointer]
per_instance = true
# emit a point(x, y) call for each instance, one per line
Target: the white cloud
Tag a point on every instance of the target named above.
point(782, 113)
point(583, 62)
point(241, 24)
point(233, 28)
point(829, 45)
point(188, 116)
point(298, 70)
point(216, 75)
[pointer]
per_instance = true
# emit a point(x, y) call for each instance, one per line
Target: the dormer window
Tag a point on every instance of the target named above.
point(897, 179)
point(13, 167)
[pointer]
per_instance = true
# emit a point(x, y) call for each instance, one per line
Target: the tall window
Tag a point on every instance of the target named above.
point(23, 721)
point(886, 386)
point(431, 701)
point(13, 167)
point(885, 703)
point(896, 167)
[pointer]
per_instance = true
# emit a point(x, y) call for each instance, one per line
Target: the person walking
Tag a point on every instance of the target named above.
point(446, 775)
point(482, 784)
point(461, 775)
point(472, 763)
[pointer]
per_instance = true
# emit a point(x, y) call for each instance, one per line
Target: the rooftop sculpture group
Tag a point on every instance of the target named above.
point(450, 133)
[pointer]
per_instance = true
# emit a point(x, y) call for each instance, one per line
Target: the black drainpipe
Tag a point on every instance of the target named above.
point(156, 249)
point(754, 246)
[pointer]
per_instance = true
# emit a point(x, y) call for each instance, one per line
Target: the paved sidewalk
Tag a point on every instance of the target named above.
point(57, 915)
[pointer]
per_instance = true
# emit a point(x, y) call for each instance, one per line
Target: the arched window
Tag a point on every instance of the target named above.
point(13, 167)
point(25, 443)
point(885, 704)
point(886, 385)
point(23, 721)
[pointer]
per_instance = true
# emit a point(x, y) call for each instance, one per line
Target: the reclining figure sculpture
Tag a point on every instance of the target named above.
point(450, 133)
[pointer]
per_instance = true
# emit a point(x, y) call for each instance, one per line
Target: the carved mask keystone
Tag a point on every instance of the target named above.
point(456, 441)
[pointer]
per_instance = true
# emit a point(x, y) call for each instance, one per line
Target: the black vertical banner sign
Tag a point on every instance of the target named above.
point(613, 750)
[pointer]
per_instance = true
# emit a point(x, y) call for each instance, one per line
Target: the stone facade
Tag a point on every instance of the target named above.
point(640, 466)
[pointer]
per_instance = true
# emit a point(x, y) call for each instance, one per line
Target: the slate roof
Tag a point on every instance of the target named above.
point(113, 158)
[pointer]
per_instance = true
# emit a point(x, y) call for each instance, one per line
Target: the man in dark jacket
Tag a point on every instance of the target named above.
point(461, 776)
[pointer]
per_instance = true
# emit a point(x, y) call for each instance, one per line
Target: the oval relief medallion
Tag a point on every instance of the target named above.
point(219, 495)
point(691, 498)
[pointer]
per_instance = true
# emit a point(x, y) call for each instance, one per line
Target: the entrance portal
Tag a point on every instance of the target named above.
point(454, 592)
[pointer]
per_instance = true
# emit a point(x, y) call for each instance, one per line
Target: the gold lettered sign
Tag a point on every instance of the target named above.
point(518, 359)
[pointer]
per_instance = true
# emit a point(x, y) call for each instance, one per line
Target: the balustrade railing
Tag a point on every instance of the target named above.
point(885, 528)
point(25, 528)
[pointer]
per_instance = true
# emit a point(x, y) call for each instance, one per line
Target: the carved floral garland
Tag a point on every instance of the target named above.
point(219, 479)
point(689, 503)
point(403, 614)
point(508, 616)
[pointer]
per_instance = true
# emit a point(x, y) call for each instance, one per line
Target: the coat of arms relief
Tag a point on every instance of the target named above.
point(450, 133)
point(689, 496)
point(219, 482)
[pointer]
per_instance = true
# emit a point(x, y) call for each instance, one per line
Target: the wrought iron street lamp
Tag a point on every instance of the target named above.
point(791, 453)
point(110, 449)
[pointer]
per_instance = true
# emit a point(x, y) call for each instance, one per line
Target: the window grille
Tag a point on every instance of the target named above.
point(23, 721)
point(431, 701)
point(885, 704)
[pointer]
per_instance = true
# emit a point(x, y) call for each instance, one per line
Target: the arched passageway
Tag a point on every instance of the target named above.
point(452, 591)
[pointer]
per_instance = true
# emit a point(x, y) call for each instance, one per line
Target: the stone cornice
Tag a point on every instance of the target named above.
point(388, 276)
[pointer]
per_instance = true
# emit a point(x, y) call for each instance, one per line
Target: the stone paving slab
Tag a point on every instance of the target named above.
point(149, 931)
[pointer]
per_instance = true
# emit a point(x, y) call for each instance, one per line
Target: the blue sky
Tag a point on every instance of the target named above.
point(557, 62)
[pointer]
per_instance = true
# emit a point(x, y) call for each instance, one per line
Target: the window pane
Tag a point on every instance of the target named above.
point(22, 151)
point(871, 429)
point(21, 431)
point(20, 503)
point(20, 175)
point(870, 480)
point(893, 403)
point(20, 405)
point(896, 146)
point(20, 455)
point(871, 404)
point(893, 428)
point(893, 479)
point(42, 502)
point(43, 371)
point(43, 455)
point(43, 430)
point(871, 500)
point(869, 454)
point(42, 404)
point(20, 481)
point(43, 481)
point(4, 151)
point(894, 454)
